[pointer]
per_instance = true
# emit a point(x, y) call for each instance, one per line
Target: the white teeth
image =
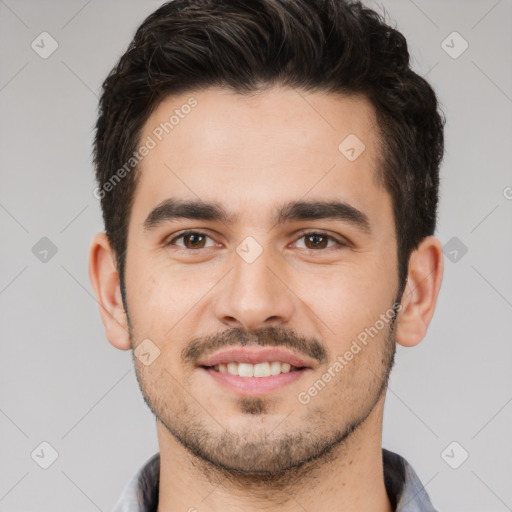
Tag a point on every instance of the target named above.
point(262, 370)
point(285, 368)
point(265, 369)
point(275, 368)
point(245, 370)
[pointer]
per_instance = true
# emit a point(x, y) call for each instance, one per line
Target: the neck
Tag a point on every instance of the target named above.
point(350, 478)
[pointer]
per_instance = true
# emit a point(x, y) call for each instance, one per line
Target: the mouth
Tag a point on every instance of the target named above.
point(254, 371)
point(259, 370)
point(251, 385)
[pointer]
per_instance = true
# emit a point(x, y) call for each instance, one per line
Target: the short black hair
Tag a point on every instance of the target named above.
point(331, 46)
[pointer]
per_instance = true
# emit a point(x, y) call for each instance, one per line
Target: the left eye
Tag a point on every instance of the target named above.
point(319, 240)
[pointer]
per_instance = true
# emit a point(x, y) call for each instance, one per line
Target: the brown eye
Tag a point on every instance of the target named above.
point(316, 241)
point(191, 240)
point(196, 240)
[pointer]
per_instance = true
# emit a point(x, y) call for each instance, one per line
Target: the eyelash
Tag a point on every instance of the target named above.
point(339, 243)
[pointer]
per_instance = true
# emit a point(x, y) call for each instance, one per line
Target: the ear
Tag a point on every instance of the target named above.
point(105, 281)
point(426, 266)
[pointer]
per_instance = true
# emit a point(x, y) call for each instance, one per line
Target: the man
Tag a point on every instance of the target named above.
point(268, 173)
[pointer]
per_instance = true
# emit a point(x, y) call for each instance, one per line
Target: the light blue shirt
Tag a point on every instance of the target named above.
point(403, 486)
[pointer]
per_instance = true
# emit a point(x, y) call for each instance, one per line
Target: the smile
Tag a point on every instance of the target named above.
point(259, 370)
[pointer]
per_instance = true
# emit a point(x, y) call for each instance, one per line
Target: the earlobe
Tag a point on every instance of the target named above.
point(419, 299)
point(105, 282)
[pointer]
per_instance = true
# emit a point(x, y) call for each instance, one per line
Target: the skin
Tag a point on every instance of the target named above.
point(221, 451)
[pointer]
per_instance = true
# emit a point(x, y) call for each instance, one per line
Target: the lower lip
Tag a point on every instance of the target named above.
point(254, 386)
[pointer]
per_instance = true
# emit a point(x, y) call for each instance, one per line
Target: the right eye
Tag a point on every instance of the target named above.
point(192, 240)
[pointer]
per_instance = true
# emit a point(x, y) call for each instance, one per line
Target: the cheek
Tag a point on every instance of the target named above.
point(154, 310)
point(345, 302)
point(164, 303)
point(159, 289)
point(338, 290)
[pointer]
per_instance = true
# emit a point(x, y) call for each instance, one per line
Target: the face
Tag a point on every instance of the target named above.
point(287, 256)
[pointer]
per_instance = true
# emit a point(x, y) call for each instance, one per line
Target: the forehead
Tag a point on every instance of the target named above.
point(250, 153)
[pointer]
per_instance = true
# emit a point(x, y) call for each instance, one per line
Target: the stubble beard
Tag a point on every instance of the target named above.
point(275, 457)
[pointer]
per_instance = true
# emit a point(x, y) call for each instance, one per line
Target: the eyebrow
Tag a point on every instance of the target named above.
point(173, 209)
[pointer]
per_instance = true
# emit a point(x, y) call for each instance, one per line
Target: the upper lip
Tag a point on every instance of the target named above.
point(254, 355)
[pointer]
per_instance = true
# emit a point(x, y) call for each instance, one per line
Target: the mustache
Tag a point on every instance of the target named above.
point(268, 336)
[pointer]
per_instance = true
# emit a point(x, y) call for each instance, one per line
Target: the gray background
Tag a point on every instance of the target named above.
point(63, 383)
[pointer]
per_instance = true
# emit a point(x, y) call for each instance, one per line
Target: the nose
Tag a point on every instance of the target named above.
point(255, 295)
